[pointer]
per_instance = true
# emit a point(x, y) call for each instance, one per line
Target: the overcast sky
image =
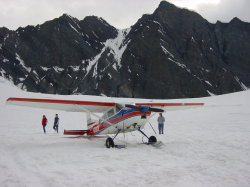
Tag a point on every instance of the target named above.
point(119, 13)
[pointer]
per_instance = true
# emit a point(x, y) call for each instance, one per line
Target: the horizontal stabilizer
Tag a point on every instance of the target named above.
point(75, 132)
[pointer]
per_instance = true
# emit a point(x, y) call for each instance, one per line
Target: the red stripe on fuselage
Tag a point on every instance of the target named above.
point(57, 101)
point(136, 113)
point(91, 123)
point(118, 119)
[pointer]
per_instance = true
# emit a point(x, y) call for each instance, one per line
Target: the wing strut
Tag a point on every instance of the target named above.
point(152, 127)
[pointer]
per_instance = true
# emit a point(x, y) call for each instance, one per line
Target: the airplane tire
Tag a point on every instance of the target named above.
point(109, 143)
point(152, 139)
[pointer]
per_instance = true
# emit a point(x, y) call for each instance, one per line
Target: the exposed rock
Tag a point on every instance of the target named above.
point(172, 53)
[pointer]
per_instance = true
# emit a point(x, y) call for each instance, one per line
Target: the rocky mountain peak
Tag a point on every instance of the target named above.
point(3, 33)
point(90, 19)
point(235, 20)
point(164, 5)
point(172, 53)
point(178, 18)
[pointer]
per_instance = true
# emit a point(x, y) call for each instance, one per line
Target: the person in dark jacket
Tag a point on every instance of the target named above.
point(161, 121)
point(56, 123)
point(44, 123)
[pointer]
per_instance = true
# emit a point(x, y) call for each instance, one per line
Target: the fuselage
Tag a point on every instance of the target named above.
point(126, 120)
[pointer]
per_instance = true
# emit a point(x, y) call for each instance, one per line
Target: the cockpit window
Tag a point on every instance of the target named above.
point(118, 107)
point(111, 112)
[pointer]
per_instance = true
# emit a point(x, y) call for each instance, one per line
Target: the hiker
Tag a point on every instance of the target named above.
point(44, 123)
point(56, 123)
point(161, 121)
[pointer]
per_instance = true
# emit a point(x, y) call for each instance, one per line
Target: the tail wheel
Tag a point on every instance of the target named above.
point(109, 143)
point(152, 139)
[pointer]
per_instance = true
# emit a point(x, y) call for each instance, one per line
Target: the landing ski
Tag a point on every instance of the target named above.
point(155, 144)
point(120, 146)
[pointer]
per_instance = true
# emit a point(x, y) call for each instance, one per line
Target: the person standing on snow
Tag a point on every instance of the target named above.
point(56, 123)
point(161, 121)
point(44, 123)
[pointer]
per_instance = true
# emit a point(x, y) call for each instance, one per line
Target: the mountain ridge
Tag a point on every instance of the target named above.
point(172, 53)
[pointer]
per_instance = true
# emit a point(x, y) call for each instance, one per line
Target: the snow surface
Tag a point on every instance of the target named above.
point(167, 52)
point(22, 63)
point(5, 60)
point(44, 68)
point(181, 65)
point(74, 29)
point(243, 86)
point(117, 47)
point(206, 146)
point(58, 69)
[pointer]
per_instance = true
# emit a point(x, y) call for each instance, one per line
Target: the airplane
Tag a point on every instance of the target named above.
point(116, 117)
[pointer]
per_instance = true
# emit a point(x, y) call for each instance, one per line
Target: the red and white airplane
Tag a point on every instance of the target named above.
point(116, 117)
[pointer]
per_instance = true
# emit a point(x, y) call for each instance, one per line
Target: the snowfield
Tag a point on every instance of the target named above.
point(207, 146)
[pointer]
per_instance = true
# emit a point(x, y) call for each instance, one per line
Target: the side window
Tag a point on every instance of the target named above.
point(110, 112)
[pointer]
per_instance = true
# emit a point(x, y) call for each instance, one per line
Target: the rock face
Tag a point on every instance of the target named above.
point(172, 53)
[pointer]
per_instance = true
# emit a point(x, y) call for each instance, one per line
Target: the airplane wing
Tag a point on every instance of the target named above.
point(91, 106)
point(65, 105)
point(172, 106)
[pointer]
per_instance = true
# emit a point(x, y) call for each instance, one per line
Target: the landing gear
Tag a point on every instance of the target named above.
point(109, 142)
point(151, 139)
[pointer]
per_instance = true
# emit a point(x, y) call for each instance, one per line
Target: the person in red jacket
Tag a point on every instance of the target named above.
point(44, 123)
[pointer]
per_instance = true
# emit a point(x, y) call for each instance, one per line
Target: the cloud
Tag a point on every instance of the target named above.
point(226, 10)
point(193, 4)
point(213, 10)
point(119, 13)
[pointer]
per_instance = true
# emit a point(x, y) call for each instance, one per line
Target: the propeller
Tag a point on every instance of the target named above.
point(144, 108)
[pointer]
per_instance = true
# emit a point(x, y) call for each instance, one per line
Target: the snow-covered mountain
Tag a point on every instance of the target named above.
point(206, 146)
point(172, 53)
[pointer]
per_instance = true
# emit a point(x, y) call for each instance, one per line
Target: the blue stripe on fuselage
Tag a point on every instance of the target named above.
point(119, 114)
